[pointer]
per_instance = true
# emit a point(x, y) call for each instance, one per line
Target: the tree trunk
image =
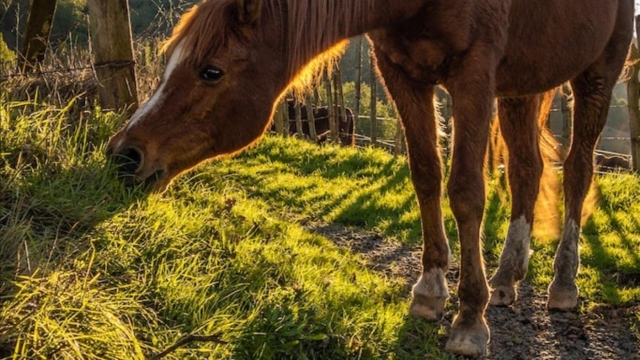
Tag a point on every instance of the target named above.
point(110, 31)
point(633, 94)
point(36, 38)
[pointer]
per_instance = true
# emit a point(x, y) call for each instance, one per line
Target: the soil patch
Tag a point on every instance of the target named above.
point(523, 331)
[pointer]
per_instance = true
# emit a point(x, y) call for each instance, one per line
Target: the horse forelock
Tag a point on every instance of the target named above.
point(202, 30)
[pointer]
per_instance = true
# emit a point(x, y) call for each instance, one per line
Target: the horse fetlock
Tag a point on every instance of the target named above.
point(503, 291)
point(429, 295)
point(563, 296)
point(514, 259)
point(503, 295)
point(468, 340)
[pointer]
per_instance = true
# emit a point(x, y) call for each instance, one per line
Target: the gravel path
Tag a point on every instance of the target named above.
point(523, 331)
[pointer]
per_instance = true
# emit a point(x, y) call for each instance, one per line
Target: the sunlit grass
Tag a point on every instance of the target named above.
point(372, 189)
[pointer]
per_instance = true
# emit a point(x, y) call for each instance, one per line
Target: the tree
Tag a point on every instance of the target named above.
point(36, 38)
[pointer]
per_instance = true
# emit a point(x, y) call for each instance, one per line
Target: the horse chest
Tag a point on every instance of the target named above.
point(425, 59)
point(427, 45)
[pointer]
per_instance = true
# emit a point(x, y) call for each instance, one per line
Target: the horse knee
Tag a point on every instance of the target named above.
point(467, 197)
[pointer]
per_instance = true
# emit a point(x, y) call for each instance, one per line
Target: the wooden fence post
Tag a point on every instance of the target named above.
point(356, 110)
point(278, 118)
point(342, 117)
point(311, 119)
point(332, 112)
point(298, 116)
point(335, 136)
point(110, 32)
point(633, 94)
point(284, 117)
point(373, 104)
point(566, 115)
point(36, 38)
point(399, 142)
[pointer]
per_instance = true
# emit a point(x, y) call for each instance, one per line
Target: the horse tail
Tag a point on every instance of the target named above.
point(547, 216)
point(633, 57)
point(547, 205)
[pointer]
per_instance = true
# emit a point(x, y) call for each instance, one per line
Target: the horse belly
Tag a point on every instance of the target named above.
point(551, 42)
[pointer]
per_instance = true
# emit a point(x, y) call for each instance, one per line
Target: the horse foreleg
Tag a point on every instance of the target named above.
point(414, 102)
point(519, 127)
point(472, 92)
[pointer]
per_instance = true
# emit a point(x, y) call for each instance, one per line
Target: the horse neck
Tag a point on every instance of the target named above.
point(315, 26)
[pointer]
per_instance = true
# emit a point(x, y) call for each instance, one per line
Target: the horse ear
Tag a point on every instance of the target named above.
point(249, 11)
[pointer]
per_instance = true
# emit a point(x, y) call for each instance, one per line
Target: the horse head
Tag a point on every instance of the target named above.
point(215, 96)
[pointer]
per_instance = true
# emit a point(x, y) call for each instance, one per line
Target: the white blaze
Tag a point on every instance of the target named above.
point(158, 95)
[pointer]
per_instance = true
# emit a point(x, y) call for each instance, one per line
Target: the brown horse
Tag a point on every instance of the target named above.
point(231, 60)
point(346, 126)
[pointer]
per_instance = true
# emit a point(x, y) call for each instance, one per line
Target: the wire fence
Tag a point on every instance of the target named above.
point(149, 62)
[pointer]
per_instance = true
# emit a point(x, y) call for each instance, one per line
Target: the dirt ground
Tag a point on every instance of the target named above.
point(523, 331)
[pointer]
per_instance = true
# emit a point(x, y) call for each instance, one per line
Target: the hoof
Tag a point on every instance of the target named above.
point(471, 343)
point(427, 308)
point(429, 295)
point(562, 298)
point(502, 296)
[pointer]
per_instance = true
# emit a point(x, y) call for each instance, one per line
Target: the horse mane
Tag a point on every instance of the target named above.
point(309, 28)
point(313, 26)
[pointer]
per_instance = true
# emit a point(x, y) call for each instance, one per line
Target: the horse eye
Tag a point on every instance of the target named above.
point(211, 74)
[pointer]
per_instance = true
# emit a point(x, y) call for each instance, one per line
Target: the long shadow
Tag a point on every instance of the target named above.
point(50, 214)
point(604, 261)
point(353, 207)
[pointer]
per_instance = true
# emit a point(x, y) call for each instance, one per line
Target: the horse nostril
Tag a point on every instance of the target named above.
point(128, 161)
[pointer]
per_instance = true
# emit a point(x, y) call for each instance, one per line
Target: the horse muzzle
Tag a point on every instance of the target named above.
point(133, 170)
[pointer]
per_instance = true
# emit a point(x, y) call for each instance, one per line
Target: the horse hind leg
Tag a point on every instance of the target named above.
point(592, 90)
point(519, 127)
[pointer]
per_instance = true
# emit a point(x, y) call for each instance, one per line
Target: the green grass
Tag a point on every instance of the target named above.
point(92, 270)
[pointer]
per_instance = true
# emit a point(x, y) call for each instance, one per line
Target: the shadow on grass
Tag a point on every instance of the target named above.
point(420, 339)
point(601, 234)
point(45, 216)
